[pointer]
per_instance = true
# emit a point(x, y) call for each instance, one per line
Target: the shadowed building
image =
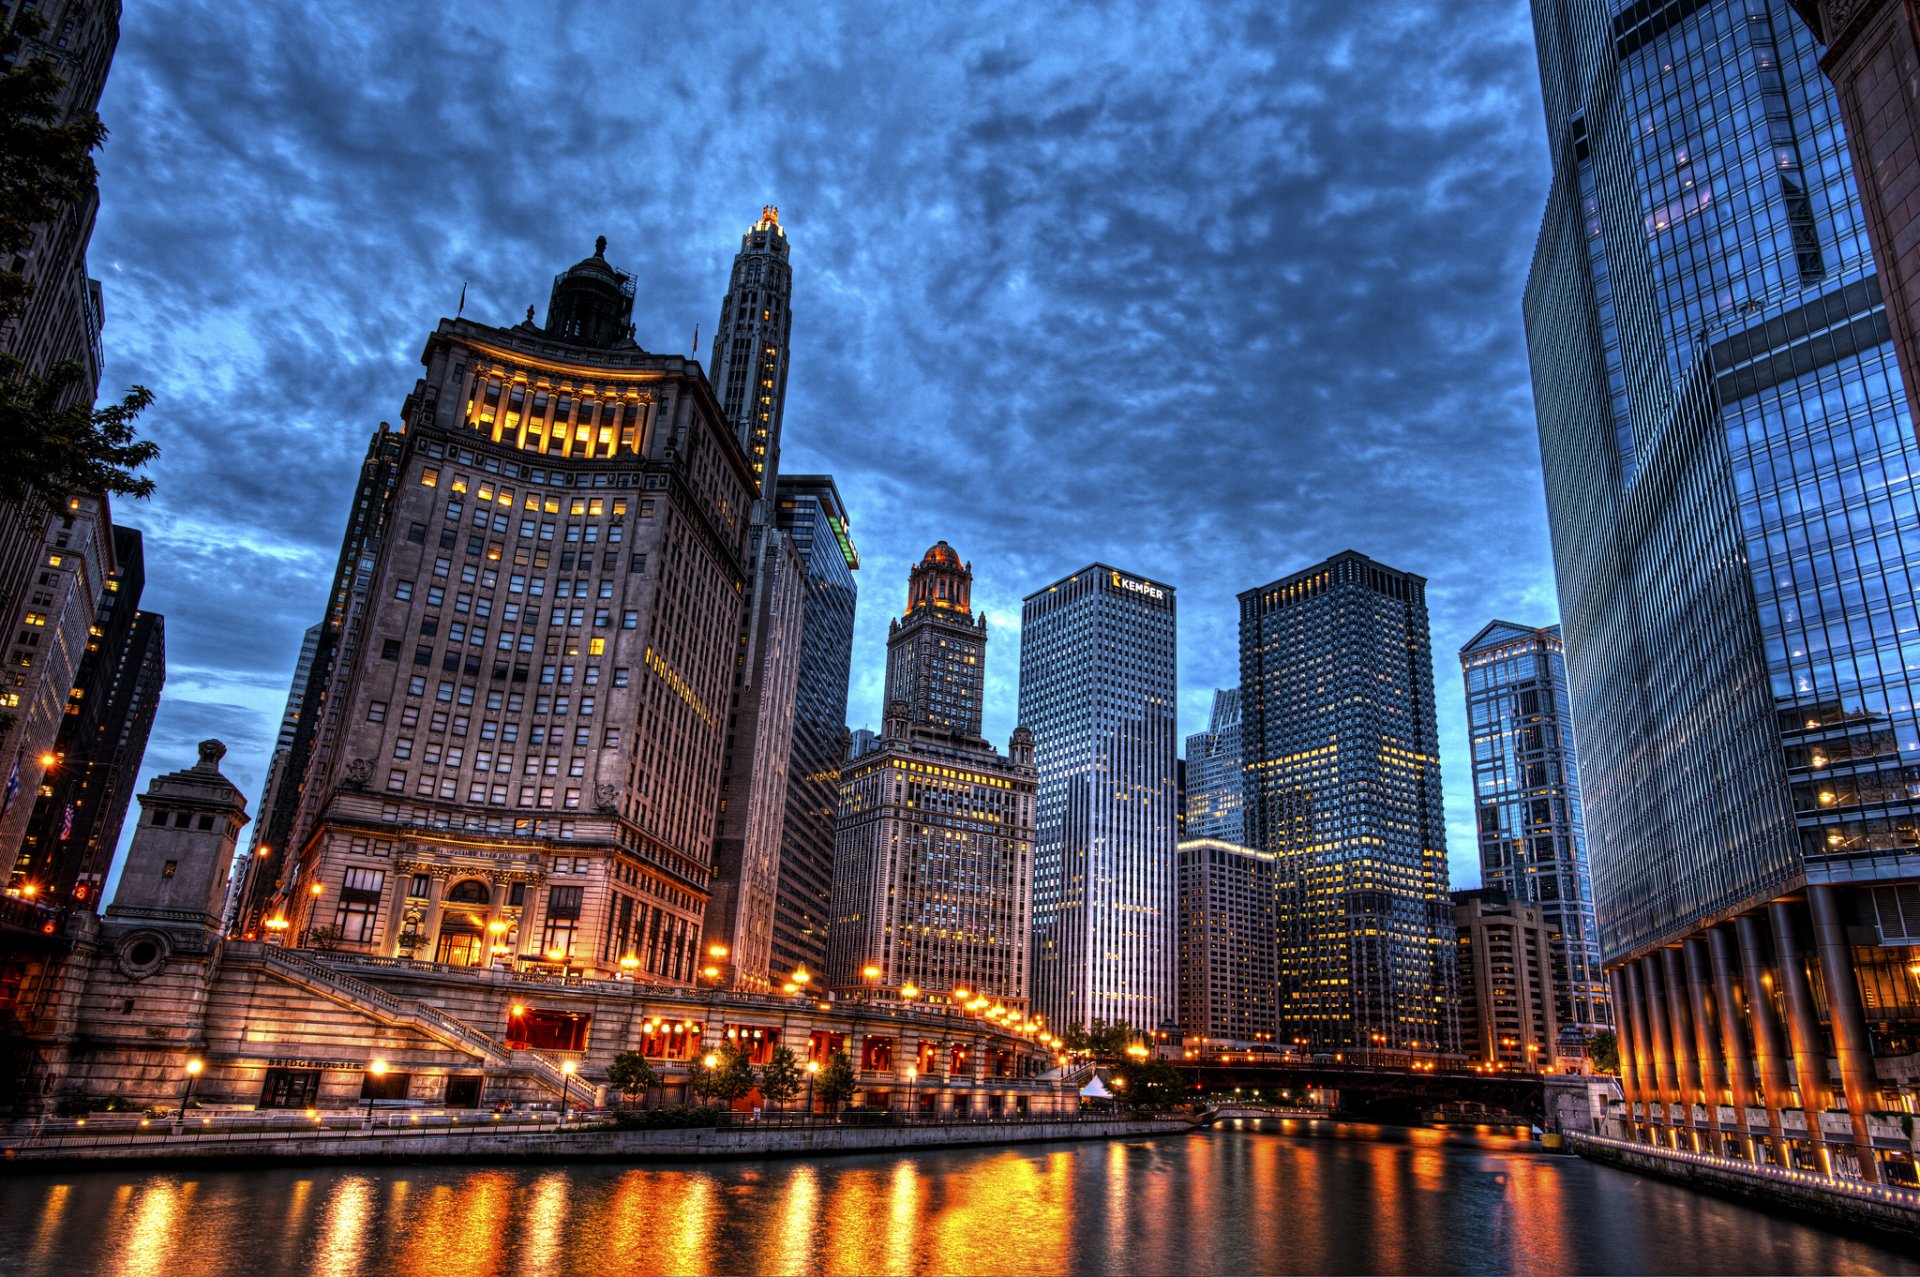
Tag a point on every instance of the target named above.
point(1508, 996)
point(1227, 936)
point(1343, 790)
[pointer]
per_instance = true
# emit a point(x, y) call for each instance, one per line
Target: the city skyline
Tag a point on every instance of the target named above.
point(1409, 369)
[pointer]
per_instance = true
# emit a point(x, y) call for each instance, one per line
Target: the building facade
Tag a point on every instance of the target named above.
point(1098, 689)
point(1526, 793)
point(517, 752)
point(1343, 790)
point(75, 826)
point(1227, 936)
point(1509, 1002)
point(1730, 465)
point(810, 512)
point(750, 344)
point(1213, 804)
point(933, 853)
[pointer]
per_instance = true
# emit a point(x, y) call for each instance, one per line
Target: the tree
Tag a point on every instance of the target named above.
point(781, 1076)
point(57, 443)
point(1149, 1084)
point(727, 1078)
point(835, 1083)
point(1103, 1041)
point(1603, 1051)
point(632, 1073)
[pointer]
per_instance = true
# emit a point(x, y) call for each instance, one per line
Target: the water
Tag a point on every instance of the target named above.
point(1240, 1201)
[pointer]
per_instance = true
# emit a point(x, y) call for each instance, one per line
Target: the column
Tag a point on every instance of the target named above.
point(1629, 1049)
point(1734, 1040)
point(1769, 1046)
point(430, 925)
point(1686, 1068)
point(1850, 1041)
point(1667, 1078)
point(1706, 1035)
point(1646, 1073)
point(1803, 1024)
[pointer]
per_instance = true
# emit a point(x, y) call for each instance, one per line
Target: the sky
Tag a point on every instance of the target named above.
point(1207, 293)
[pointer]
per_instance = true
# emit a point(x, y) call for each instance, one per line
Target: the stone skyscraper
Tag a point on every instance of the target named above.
point(933, 858)
point(1730, 469)
point(1526, 787)
point(1343, 788)
point(519, 729)
point(1097, 685)
point(1227, 938)
point(1216, 791)
point(749, 361)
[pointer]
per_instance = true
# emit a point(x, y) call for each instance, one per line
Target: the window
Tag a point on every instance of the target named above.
point(403, 589)
point(629, 620)
point(390, 649)
point(429, 478)
point(377, 712)
point(359, 903)
point(396, 780)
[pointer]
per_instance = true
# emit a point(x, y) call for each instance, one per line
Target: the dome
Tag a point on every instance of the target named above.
point(592, 303)
point(939, 580)
point(941, 555)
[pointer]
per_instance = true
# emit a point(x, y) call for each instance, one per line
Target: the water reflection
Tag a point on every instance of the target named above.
point(1237, 1201)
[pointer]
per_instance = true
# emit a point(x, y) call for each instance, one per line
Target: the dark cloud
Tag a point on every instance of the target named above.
point(1210, 293)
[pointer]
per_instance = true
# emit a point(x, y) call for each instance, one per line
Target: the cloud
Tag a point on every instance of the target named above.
point(1209, 293)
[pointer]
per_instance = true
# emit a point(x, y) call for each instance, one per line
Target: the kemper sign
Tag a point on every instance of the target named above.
point(1138, 587)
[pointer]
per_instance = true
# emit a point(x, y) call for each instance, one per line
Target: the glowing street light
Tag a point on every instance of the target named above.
point(186, 1097)
point(566, 1088)
point(375, 1070)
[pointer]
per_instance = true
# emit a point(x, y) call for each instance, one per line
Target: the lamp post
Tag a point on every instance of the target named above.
point(566, 1088)
point(186, 1097)
point(813, 1067)
point(375, 1070)
point(913, 1089)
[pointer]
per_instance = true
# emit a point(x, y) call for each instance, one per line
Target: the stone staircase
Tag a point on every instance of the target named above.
point(296, 966)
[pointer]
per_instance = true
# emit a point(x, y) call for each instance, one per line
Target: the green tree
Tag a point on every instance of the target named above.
point(1149, 1084)
point(733, 1079)
point(781, 1077)
point(632, 1073)
point(1103, 1041)
point(1603, 1051)
point(57, 444)
point(836, 1081)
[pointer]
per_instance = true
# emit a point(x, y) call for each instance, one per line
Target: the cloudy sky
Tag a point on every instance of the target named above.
point(1207, 293)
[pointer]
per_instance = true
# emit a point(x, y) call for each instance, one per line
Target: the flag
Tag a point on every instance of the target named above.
point(696, 339)
point(463, 300)
point(66, 822)
point(13, 787)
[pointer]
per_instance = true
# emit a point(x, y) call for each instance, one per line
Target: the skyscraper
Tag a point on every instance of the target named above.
point(1215, 803)
point(1526, 787)
point(1343, 789)
point(1730, 481)
point(749, 361)
point(809, 510)
point(933, 854)
point(1508, 997)
point(517, 760)
point(1097, 688)
point(1227, 936)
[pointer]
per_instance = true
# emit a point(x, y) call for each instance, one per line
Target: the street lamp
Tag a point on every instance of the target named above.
point(193, 1072)
point(566, 1088)
point(375, 1070)
point(913, 1090)
point(813, 1067)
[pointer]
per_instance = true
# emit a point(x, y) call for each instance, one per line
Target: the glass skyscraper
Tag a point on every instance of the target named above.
point(1097, 690)
point(1729, 472)
point(1215, 801)
point(1343, 789)
point(1526, 794)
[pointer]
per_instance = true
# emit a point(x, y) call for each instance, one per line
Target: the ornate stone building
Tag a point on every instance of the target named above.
point(933, 857)
point(516, 739)
point(750, 344)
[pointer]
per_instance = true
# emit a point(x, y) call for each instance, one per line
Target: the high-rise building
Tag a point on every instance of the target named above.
point(1343, 789)
point(1098, 691)
point(1526, 793)
point(1214, 805)
point(518, 746)
point(755, 779)
point(933, 854)
point(256, 869)
point(749, 360)
point(1508, 1002)
point(862, 740)
point(75, 826)
point(809, 510)
point(1729, 466)
point(1227, 936)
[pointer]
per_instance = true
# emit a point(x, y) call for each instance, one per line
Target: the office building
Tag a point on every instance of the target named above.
point(1213, 803)
point(1097, 689)
point(1227, 936)
point(933, 853)
point(1729, 466)
point(1526, 793)
point(1509, 1003)
point(1343, 790)
point(750, 345)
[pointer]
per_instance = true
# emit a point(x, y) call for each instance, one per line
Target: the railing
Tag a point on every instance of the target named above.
point(57, 1135)
point(1906, 1199)
point(899, 1117)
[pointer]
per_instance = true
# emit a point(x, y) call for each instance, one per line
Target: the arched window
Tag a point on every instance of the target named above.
point(470, 892)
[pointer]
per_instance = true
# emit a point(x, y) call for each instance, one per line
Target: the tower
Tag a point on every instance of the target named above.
point(1097, 682)
point(1343, 788)
point(936, 651)
point(1215, 803)
point(749, 361)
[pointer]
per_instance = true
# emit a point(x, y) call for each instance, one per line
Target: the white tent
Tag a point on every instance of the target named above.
point(1095, 1089)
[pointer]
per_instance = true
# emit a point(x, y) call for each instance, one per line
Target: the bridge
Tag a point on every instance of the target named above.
point(1228, 1112)
point(1376, 1093)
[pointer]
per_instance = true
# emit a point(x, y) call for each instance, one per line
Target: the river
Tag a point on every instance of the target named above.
point(1235, 1201)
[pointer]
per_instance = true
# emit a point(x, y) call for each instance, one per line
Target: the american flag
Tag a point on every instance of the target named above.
point(66, 822)
point(13, 787)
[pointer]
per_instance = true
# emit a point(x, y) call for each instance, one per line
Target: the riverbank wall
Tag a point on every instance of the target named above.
point(1886, 1213)
point(603, 1145)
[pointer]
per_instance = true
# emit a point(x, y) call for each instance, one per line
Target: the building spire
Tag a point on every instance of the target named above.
point(749, 361)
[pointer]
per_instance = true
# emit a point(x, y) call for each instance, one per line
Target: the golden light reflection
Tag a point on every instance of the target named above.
point(544, 1237)
point(346, 1224)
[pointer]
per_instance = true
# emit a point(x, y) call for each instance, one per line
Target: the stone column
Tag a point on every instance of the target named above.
point(1686, 1067)
point(1629, 1049)
point(1733, 1036)
point(430, 925)
point(1646, 1073)
point(1803, 1024)
point(1769, 1045)
point(1667, 1078)
point(1706, 1036)
point(1851, 1044)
